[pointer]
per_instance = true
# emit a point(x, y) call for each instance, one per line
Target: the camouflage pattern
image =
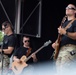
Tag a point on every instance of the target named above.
point(6, 61)
point(66, 61)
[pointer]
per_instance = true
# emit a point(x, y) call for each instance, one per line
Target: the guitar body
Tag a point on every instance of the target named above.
point(57, 47)
point(18, 67)
point(56, 52)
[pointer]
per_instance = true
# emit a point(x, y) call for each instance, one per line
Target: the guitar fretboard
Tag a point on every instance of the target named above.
point(34, 52)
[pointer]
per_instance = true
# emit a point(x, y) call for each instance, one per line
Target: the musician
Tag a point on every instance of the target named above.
point(66, 57)
point(25, 50)
point(8, 46)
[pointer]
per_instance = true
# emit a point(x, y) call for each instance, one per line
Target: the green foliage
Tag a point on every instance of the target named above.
point(1, 36)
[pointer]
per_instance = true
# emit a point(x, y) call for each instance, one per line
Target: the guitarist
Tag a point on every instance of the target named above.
point(24, 50)
point(65, 61)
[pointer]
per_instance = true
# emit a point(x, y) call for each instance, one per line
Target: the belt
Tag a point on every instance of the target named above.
point(69, 45)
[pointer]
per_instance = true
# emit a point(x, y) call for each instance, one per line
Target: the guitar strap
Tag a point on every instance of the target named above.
point(28, 52)
point(69, 24)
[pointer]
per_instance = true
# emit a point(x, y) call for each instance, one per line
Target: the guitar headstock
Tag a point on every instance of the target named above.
point(47, 43)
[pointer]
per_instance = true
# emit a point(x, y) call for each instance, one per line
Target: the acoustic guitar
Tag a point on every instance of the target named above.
point(18, 67)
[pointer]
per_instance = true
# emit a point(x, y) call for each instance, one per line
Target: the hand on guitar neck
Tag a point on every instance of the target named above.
point(34, 57)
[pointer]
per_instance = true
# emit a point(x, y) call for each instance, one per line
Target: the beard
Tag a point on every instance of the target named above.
point(68, 14)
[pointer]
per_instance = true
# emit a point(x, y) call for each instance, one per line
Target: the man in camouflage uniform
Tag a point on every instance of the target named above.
point(66, 60)
point(7, 48)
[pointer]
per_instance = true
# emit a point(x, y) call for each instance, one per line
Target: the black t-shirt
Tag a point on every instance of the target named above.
point(65, 39)
point(22, 51)
point(9, 41)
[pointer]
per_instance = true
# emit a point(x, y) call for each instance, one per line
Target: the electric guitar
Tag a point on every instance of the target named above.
point(60, 36)
point(59, 40)
point(18, 67)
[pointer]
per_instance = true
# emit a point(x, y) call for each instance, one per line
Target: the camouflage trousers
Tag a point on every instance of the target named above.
point(5, 62)
point(66, 61)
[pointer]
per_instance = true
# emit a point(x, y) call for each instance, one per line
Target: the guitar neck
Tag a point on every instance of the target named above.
point(59, 38)
point(34, 53)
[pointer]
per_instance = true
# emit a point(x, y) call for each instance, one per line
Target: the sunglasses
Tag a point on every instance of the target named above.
point(4, 28)
point(27, 41)
point(71, 8)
